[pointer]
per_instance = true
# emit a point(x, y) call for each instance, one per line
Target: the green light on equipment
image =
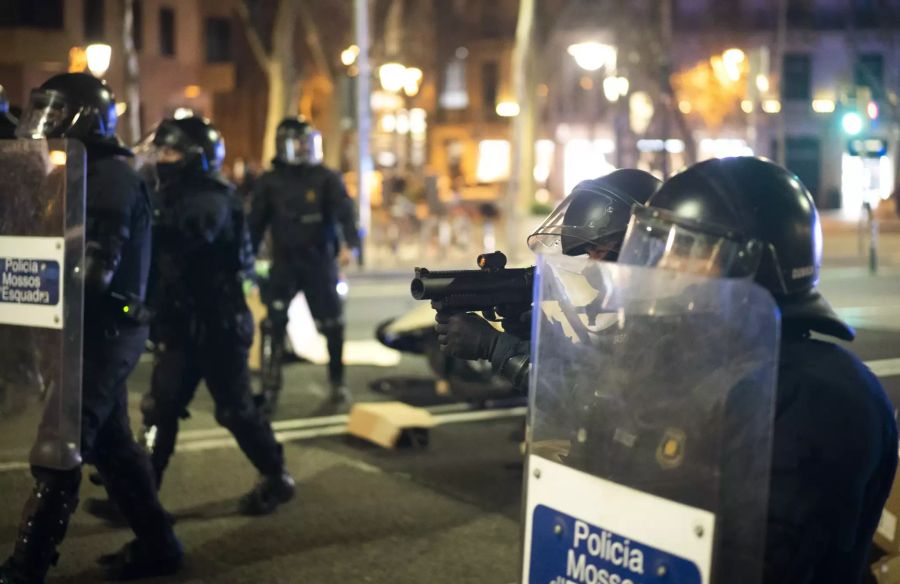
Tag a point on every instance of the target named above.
point(852, 123)
point(125, 309)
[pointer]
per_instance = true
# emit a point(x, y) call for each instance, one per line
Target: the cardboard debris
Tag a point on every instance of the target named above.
point(390, 424)
point(887, 570)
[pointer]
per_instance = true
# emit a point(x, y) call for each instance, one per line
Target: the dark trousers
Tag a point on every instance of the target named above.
point(107, 441)
point(318, 281)
point(219, 357)
point(109, 356)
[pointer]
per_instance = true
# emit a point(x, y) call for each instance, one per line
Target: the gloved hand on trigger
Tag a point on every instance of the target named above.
point(466, 336)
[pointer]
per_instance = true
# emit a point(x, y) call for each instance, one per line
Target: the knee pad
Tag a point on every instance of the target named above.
point(332, 327)
point(230, 417)
point(277, 314)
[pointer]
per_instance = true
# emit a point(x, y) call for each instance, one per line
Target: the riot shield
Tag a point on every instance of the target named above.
point(42, 190)
point(650, 426)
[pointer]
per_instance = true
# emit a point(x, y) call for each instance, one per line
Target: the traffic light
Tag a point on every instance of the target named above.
point(852, 123)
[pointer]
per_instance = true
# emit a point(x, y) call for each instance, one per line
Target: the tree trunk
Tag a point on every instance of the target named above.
point(521, 184)
point(281, 74)
point(132, 88)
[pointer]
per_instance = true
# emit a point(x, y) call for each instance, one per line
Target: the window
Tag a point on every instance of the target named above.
point(218, 40)
point(138, 25)
point(490, 79)
point(93, 20)
point(865, 13)
point(800, 13)
point(167, 32)
point(491, 18)
point(869, 72)
point(797, 77)
point(47, 14)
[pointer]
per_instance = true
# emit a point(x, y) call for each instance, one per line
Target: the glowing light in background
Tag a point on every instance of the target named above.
point(98, 58)
point(507, 109)
point(823, 106)
point(592, 55)
point(493, 161)
point(852, 123)
point(58, 157)
point(585, 159)
point(349, 55)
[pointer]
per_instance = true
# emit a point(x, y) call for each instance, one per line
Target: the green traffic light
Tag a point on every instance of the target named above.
point(852, 123)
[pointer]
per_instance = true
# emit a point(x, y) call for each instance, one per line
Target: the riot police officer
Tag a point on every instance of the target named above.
point(312, 222)
point(203, 328)
point(591, 220)
point(117, 260)
point(7, 121)
point(835, 439)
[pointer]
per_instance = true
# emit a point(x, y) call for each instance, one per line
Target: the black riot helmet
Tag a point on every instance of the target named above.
point(72, 105)
point(739, 217)
point(297, 142)
point(183, 148)
point(595, 214)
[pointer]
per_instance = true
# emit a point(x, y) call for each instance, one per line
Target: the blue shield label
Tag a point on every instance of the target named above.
point(29, 281)
point(566, 550)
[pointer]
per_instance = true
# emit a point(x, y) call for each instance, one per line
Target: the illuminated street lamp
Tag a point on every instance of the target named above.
point(592, 55)
point(98, 57)
point(349, 55)
point(411, 81)
point(392, 76)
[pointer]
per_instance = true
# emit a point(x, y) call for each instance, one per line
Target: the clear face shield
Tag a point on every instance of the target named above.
point(305, 148)
point(583, 223)
point(658, 239)
point(44, 116)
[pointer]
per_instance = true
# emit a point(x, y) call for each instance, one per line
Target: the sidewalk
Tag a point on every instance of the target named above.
point(846, 241)
point(844, 245)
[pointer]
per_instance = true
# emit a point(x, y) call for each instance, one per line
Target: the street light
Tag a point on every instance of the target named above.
point(592, 55)
point(98, 57)
point(411, 81)
point(392, 76)
point(349, 55)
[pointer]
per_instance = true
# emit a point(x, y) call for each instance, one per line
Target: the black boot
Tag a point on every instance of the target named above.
point(137, 560)
point(270, 492)
point(128, 476)
point(44, 523)
point(340, 393)
point(106, 510)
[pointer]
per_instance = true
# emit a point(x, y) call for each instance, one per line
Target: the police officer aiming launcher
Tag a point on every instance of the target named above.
point(591, 220)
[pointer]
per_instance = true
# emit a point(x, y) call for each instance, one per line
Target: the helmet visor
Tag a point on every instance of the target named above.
point(146, 156)
point(658, 239)
point(44, 116)
point(584, 222)
point(299, 148)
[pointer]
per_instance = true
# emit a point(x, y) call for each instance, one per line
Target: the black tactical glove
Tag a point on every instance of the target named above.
point(466, 336)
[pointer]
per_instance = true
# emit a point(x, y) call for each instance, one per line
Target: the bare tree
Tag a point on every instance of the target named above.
point(132, 75)
point(277, 64)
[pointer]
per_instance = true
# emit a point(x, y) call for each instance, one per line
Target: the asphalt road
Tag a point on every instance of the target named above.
point(445, 513)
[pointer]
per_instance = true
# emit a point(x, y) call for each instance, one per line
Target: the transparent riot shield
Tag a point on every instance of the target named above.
point(652, 396)
point(42, 202)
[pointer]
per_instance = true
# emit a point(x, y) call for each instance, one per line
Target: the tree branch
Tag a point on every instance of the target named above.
point(253, 38)
point(313, 41)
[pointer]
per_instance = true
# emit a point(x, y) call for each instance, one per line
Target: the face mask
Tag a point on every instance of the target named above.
point(169, 172)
